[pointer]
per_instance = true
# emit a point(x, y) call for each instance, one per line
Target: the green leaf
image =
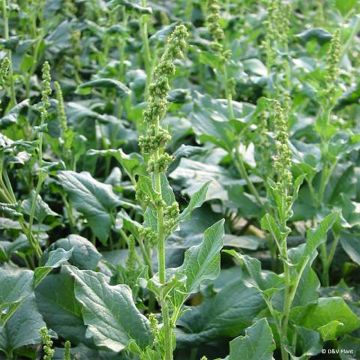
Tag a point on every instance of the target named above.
point(315, 238)
point(196, 200)
point(325, 311)
point(119, 87)
point(330, 330)
point(109, 311)
point(84, 254)
point(257, 344)
point(15, 285)
point(269, 224)
point(12, 116)
point(42, 209)
point(54, 260)
point(202, 262)
point(345, 6)
point(23, 328)
point(61, 313)
point(351, 244)
point(130, 6)
point(224, 314)
point(309, 341)
point(320, 35)
point(92, 198)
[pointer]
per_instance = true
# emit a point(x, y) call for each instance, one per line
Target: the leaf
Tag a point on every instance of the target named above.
point(109, 311)
point(196, 200)
point(91, 198)
point(12, 116)
point(314, 238)
point(42, 209)
point(224, 314)
point(325, 311)
point(329, 331)
point(309, 342)
point(320, 35)
point(202, 262)
point(345, 6)
point(350, 243)
point(54, 260)
point(23, 328)
point(61, 313)
point(121, 90)
point(268, 223)
point(131, 6)
point(84, 254)
point(257, 344)
point(15, 285)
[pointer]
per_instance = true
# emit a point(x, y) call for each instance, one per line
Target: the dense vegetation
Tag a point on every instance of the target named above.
point(179, 179)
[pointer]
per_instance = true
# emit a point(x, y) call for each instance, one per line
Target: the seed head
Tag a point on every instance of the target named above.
point(47, 344)
point(46, 85)
point(333, 58)
point(282, 160)
point(67, 350)
point(60, 107)
point(4, 71)
point(213, 21)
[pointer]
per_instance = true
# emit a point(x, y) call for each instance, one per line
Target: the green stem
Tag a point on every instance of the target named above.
point(146, 47)
point(33, 204)
point(162, 259)
point(11, 70)
point(188, 10)
point(228, 92)
point(240, 166)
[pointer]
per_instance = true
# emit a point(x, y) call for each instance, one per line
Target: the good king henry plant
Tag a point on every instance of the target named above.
point(162, 216)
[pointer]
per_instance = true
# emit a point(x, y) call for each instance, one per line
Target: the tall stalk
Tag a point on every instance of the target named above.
point(153, 145)
point(9, 54)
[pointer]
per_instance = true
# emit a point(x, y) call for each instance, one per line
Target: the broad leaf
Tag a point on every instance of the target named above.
point(202, 262)
point(257, 344)
point(224, 314)
point(23, 328)
point(84, 254)
point(324, 312)
point(61, 313)
point(92, 198)
point(196, 200)
point(15, 285)
point(109, 311)
point(120, 88)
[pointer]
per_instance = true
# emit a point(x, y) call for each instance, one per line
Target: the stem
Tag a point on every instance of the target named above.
point(33, 204)
point(228, 92)
point(240, 166)
point(162, 260)
point(11, 70)
point(188, 10)
point(146, 47)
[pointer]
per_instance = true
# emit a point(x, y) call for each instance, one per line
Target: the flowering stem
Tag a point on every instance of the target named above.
point(146, 47)
point(7, 37)
point(239, 164)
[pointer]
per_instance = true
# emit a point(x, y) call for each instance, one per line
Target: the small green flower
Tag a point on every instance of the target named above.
point(47, 344)
point(333, 59)
point(282, 160)
point(4, 71)
point(67, 350)
point(213, 21)
point(60, 107)
point(46, 86)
